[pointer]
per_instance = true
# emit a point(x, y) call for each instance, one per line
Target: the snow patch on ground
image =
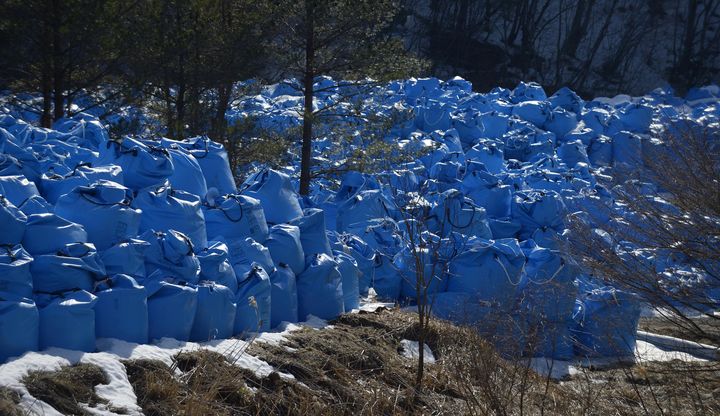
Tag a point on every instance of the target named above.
point(411, 349)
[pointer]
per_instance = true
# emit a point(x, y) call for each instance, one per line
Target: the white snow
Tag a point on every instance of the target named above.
point(411, 349)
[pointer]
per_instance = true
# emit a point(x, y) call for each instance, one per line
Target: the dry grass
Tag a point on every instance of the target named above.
point(9, 400)
point(68, 387)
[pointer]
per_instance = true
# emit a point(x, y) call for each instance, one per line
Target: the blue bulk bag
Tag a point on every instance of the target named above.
point(490, 270)
point(637, 117)
point(495, 124)
point(350, 273)
point(275, 192)
point(67, 320)
point(172, 253)
point(312, 232)
point(320, 289)
point(363, 207)
point(48, 233)
point(627, 150)
point(537, 209)
point(454, 212)
point(121, 311)
point(488, 192)
point(215, 315)
point(75, 266)
point(434, 272)
point(285, 246)
point(126, 257)
point(567, 99)
point(284, 305)
point(164, 208)
point(504, 228)
point(382, 234)
point(364, 255)
point(561, 122)
point(19, 326)
point(536, 112)
point(572, 153)
point(489, 154)
point(235, 216)
point(354, 182)
point(215, 265)
point(103, 209)
point(253, 300)
point(386, 280)
point(459, 307)
point(187, 175)
point(142, 164)
point(12, 221)
point(36, 205)
point(213, 160)
point(53, 185)
point(15, 276)
point(600, 151)
point(171, 308)
point(606, 323)
point(245, 252)
point(17, 189)
point(525, 91)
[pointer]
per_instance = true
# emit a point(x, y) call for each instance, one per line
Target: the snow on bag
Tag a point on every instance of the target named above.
point(121, 310)
point(103, 209)
point(19, 325)
point(320, 289)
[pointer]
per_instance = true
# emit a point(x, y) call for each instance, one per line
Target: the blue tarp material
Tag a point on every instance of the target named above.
point(13, 222)
point(143, 164)
point(364, 255)
point(171, 308)
point(350, 280)
point(235, 216)
point(459, 307)
point(312, 232)
point(172, 253)
point(36, 205)
point(15, 276)
point(454, 212)
point(67, 320)
point(275, 192)
point(121, 310)
point(537, 209)
point(546, 298)
point(103, 209)
point(285, 246)
point(488, 192)
point(75, 266)
point(48, 233)
point(19, 326)
point(386, 280)
point(363, 207)
point(432, 279)
point(213, 160)
point(215, 266)
point(215, 316)
point(606, 323)
point(164, 208)
point(284, 305)
point(491, 270)
point(17, 189)
point(187, 175)
point(126, 257)
point(253, 300)
point(54, 185)
point(320, 289)
point(245, 252)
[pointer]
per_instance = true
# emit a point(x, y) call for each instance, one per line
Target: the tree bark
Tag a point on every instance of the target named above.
point(57, 62)
point(306, 157)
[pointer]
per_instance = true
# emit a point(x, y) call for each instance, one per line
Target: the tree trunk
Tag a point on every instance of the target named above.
point(57, 62)
point(306, 158)
point(46, 118)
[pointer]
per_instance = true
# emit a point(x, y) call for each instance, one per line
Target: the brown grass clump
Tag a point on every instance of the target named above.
point(9, 400)
point(66, 388)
